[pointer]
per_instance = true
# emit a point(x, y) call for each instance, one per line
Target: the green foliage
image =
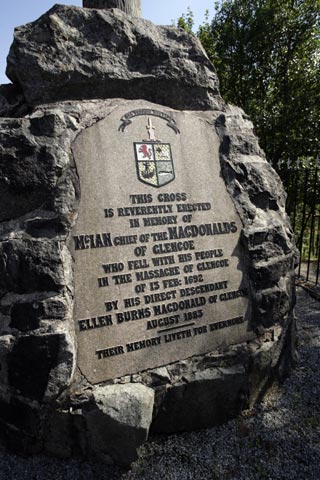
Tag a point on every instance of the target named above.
point(186, 20)
point(303, 204)
point(267, 55)
point(205, 35)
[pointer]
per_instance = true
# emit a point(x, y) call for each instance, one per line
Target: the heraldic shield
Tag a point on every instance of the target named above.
point(154, 163)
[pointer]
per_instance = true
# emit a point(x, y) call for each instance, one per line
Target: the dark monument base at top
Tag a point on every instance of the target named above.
point(146, 266)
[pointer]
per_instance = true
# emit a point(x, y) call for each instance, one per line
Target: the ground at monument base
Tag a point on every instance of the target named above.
point(278, 440)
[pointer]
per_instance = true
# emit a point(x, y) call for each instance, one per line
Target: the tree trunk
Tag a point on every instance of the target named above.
point(131, 7)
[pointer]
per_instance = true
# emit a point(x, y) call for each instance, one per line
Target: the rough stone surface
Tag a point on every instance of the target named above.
point(31, 265)
point(33, 165)
point(12, 101)
point(267, 235)
point(37, 353)
point(119, 422)
point(208, 397)
point(29, 375)
point(64, 56)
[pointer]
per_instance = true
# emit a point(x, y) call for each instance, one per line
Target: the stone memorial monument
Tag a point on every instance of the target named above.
point(146, 259)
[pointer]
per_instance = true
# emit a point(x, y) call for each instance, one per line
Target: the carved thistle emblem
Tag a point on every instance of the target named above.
point(154, 160)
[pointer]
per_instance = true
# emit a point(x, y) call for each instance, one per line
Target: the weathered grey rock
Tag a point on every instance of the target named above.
point(205, 398)
point(271, 360)
point(31, 266)
point(34, 370)
point(37, 353)
point(12, 101)
point(63, 55)
point(32, 163)
point(29, 374)
point(28, 311)
point(258, 194)
point(120, 421)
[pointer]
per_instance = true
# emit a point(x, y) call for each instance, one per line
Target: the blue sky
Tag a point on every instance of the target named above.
point(19, 12)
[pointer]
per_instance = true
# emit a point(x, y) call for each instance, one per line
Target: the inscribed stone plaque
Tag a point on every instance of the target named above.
point(158, 267)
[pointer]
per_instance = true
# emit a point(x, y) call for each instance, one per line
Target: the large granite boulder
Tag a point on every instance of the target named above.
point(67, 69)
point(120, 421)
point(77, 53)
